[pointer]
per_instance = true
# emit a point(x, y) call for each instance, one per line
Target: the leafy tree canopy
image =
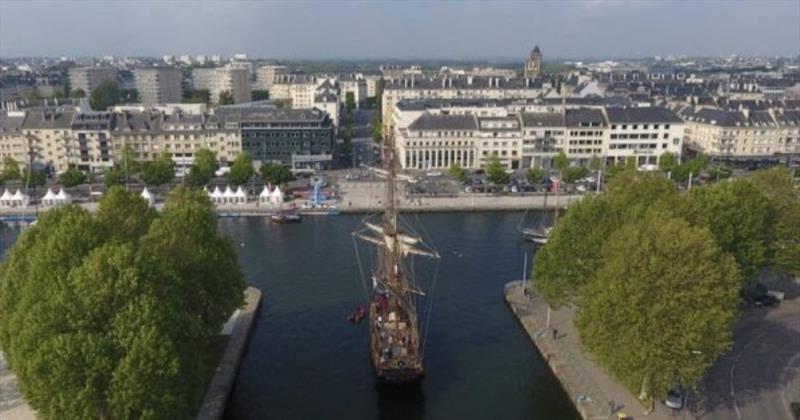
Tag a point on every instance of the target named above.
point(275, 173)
point(260, 95)
point(457, 172)
point(496, 172)
point(114, 176)
point(535, 175)
point(226, 98)
point(205, 165)
point(160, 171)
point(783, 197)
point(660, 309)
point(72, 178)
point(241, 170)
point(110, 316)
point(560, 161)
point(105, 95)
point(10, 169)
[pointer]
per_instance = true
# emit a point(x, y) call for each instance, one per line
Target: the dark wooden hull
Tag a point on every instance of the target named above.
point(285, 219)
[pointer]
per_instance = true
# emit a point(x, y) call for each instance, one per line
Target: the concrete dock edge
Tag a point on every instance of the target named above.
point(221, 385)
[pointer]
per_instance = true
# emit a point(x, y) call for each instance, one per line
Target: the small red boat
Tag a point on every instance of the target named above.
point(358, 314)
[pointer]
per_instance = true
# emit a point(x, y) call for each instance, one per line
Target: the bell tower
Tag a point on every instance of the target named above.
point(533, 67)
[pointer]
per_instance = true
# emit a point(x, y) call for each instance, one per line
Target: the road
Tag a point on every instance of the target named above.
point(760, 377)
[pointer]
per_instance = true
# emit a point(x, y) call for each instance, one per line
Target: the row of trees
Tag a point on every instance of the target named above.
point(113, 314)
point(656, 274)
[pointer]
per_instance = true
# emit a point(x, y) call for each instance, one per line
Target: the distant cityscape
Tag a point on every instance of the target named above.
point(733, 108)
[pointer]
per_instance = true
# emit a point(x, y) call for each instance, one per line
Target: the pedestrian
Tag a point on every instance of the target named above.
point(555, 333)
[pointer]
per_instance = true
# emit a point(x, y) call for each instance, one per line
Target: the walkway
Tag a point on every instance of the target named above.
point(12, 405)
point(592, 390)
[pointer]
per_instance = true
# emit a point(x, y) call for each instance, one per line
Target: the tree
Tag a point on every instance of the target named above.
point(78, 93)
point(160, 171)
point(496, 172)
point(659, 311)
point(129, 96)
point(457, 172)
point(10, 169)
point(114, 176)
point(111, 316)
point(105, 95)
point(72, 178)
point(535, 175)
point(260, 95)
point(595, 164)
point(225, 98)
point(349, 102)
point(34, 179)
point(737, 215)
point(574, 173)
point(241, 170)
point(561, 162)
point(784, 214)
point(275, 173)
point(668, 161)
point(196, 96)
point(128, 160)
point(205, 164)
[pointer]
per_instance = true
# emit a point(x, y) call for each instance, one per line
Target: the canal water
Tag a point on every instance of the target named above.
point(305, 361)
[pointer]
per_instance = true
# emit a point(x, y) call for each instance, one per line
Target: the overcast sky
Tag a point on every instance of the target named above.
point(452, 30)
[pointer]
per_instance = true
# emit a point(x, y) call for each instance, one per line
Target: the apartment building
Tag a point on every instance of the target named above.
point(524, 136)
point(354, 85)
point(13, 144)
point(88, 78)
point(50, 132)
point(742, 134)
point(223, 79)
point(454, 88)
point(158, 85)
point(266, 75)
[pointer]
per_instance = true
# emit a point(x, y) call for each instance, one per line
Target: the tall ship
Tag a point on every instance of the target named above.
point(395, 328)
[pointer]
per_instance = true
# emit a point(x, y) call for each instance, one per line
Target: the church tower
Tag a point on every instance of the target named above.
point(533, 67)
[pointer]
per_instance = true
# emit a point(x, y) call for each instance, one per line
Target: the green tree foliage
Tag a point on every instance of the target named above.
point(72, 178)
point(275, 173)
point(205, 164)
point(10, 169)
point(114, 176)
point(105, 95)
point(737, 214)
point(110, 316)
point(680, 173)
point(196, 96)
point(349, 102)
point(561, 162)
point(457, 172)
point(535, 175)
point(78, 93)
point(496, 172)
point(659, 311)
point(595, 164)
point(128, 160)
point(574, 173)
point(668, 161)
point(160, 171)
point(225, 98)
point(34, 179)
point(241, 170)
point(129, 96)
point(783, 197)
point(260, 95)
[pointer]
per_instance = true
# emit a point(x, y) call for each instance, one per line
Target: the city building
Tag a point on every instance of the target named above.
point(223, 79)
point(533, 66)
point(88, 78)
point(266, 75)
point(158, 85)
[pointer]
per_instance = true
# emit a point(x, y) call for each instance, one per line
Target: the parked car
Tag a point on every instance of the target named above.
point(434, 174)
point(676, 398)
point(765, 301)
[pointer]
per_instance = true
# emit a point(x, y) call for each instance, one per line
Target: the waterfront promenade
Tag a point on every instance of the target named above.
point(589, 386)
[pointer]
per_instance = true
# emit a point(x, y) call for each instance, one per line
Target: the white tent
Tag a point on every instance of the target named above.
point(62, 197)
point(19, 199)
point(277, 196)
point(49, 198)
point(5, 199)
point(229, 196)
point(149, 197)
point(216, 196)
point(241, 196)
point(265, 196)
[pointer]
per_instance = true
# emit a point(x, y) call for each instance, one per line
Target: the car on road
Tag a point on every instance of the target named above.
point(765, 300)
point(434, 174)
point(676, 398)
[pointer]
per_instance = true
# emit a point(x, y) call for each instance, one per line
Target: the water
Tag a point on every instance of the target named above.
point(305, 361)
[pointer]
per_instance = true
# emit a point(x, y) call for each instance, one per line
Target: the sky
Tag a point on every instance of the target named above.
point(463, 30)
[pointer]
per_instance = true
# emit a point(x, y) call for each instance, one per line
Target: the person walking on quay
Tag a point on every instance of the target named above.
point(555, 333)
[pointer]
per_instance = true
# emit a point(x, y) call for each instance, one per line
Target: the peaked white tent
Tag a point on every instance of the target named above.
point(49, 198)
point(216, 196)
point(265, 197)
point(277, 196)
point(63, 198)
point(149, 197)
point(229, 196)
point(5, 199)
point(19, 199)
point(240, 196)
